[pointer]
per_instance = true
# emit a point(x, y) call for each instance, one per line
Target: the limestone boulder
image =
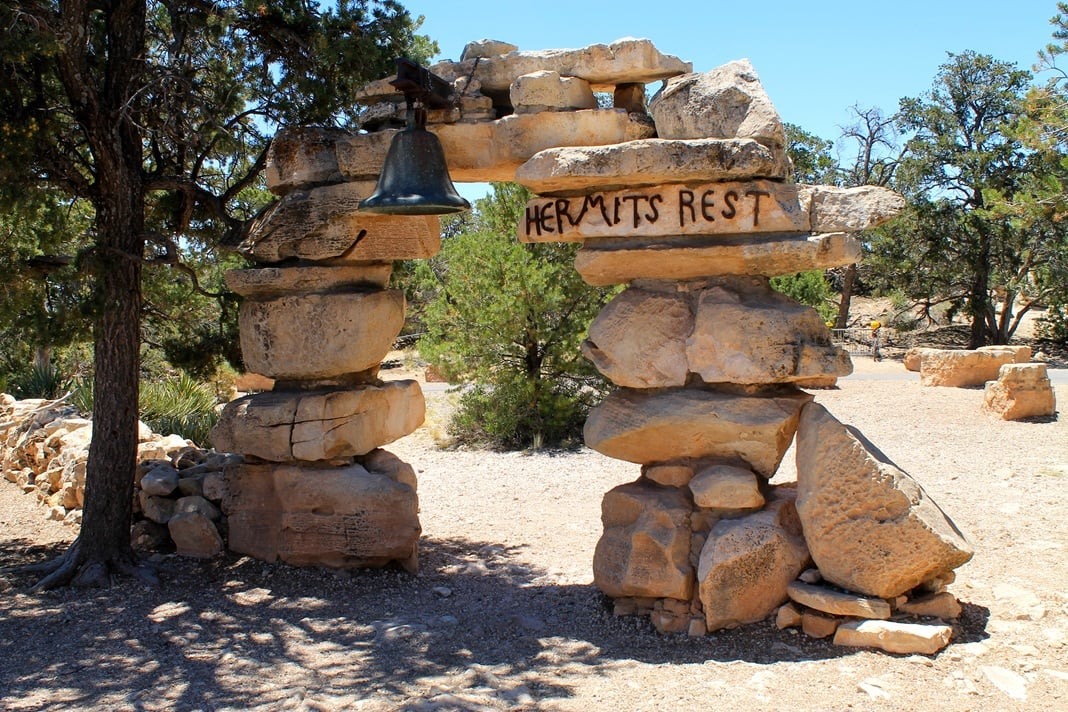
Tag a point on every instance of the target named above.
point(645, 548)
point(747, 563)
point(870, 527)
point(570, 170)
point(726, 488)
point(638, 340)
point(325, 223)
point(343, 517)
point(627, 60)
point(486, 49)
point(1020, 353)
point(835, 209)
point(746, 332)
point(604, 262)
point(493, 150)
point(269, 282)
point(962, 368)
point(283, 426)
point(727, 102)
point(914, 357)
point(302, 156)
point(195, 535)
point(1022, 390)
point(350, 331)
point(546, 90)
point(670, 424)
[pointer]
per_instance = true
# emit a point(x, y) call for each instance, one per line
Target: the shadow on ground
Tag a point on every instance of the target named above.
point(237, 633)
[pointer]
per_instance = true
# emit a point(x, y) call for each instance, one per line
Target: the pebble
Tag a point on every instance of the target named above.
point(443, 591)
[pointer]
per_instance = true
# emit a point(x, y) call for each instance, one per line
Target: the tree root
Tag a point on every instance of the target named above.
point(74, 569)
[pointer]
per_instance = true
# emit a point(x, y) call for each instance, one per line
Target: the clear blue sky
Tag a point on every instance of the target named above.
point(816, 58)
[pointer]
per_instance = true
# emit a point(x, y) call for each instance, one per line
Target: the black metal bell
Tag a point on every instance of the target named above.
point(414, 178)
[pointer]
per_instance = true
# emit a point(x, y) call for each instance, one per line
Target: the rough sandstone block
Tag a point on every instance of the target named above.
point(343, 517)
point(961, 368)
point(1022, 390)
point(570, 170)
point(350, 331)
point(645, 548)
point(727, 102)
point(870, 527)
point(195, 535)
point(319, 425)
point(606, 261)
point(269, 282)
point(546, 90)
point(690, 423)
point(325, 224)
point(747, 563)
point(302, 156)
point(893, 637)
point(836, 603)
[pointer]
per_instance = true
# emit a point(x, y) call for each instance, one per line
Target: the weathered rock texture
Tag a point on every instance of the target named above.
point(645, 549)
point(681, 423)
point(341, 517)
point(870, 527)
point(963, 368)
point(746, 565)
point(1022, 390)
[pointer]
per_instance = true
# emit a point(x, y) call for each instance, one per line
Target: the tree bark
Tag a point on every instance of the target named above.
point(103, 104)
point(849, 278)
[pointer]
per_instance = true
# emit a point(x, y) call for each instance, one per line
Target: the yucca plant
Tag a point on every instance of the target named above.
point(181, 406)
point(40, 381)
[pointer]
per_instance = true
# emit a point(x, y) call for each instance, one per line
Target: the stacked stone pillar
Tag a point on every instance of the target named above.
point(315, 487)
point(710, 363)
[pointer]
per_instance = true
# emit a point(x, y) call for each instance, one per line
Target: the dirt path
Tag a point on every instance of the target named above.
point(503, 614)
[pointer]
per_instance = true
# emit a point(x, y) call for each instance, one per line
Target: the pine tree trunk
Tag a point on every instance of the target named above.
point(849, 279)
point(112, 132)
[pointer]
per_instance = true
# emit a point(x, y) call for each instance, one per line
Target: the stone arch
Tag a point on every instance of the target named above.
point(687, 200)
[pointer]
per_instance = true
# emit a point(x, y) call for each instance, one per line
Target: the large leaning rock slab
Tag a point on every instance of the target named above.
point(674, 424)
point(870, 527)
point(338, 517)
point(638, 340)
point(283, 426)
point(727, 102)
point(615, 261)
point(746, 332)
point(1023, 390)
point(570, 170)
point(836, 209)
point(316, 336)
point(302, 156)
point(961, 368)
point(325, 224)
point(667, 211)
point(268, 282)
point(645, 548)
point(625, 61)
point(747, 563)
point(548, 91)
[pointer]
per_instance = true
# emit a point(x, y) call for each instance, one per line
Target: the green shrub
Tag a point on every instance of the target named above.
point(811, 288)
point(181, 406)
point(178, 405)
point(40, 382)
point(516, 414)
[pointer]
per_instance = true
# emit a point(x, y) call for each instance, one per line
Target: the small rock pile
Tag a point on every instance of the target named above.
point(178, 490)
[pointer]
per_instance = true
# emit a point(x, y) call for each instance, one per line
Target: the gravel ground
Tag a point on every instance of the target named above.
point(503, 614)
